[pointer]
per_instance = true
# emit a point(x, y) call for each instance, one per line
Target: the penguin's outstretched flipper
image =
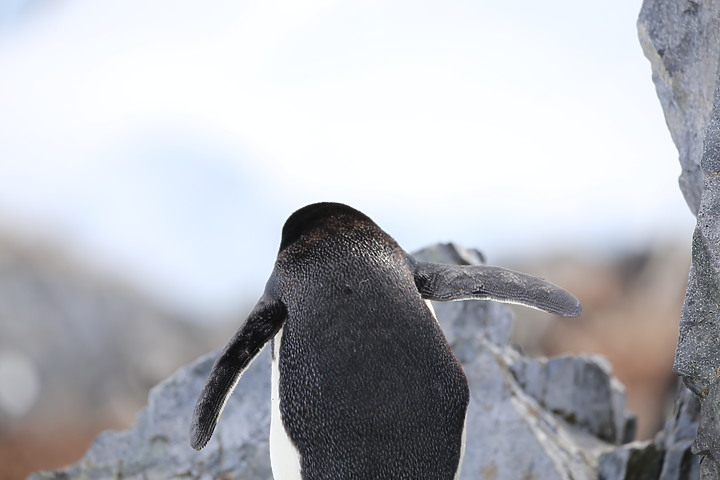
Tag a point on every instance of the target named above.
point(261, 325)
point(442, 282)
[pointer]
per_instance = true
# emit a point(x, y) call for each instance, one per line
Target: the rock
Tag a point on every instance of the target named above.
point(632, 461)
point(79, 350)
point(509, 433)
point(668, 457)
point(580, 390)
point(677, 437)
point(682, 42)
point(158, 446)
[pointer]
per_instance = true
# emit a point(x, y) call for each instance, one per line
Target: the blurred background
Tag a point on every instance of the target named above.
point(151, 151)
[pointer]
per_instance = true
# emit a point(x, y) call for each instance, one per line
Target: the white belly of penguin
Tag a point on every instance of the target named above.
point(284, 456)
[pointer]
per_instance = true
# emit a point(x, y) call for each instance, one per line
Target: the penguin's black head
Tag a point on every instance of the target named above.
point(320, 218)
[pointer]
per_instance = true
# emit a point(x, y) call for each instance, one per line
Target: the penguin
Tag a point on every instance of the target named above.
point(364, 383)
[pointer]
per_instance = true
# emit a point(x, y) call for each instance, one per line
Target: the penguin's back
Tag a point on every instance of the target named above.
point(368, 386)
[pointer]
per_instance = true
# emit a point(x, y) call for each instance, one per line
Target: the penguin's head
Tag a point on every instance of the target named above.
point(323, 219)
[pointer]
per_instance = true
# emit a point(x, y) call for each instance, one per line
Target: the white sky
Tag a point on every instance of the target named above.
point(168, 140)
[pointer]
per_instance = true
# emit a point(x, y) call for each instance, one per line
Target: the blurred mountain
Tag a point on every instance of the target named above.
point(78, 352)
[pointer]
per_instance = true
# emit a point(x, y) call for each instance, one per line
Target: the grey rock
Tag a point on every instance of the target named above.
point(158, 446)
point(632, 461)
point(682, 42)
point(707, 441)
point(509, 433)
point(709, 469)
point(582, 391)
point(698, 352)
point(677, 437)
point(669, 456)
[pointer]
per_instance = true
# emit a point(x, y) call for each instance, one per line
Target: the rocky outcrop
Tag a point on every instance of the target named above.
point(580, 390)
point(682, 41)
point(157, 447)
point(527, 418)
point(668, 457)
point(677, 437)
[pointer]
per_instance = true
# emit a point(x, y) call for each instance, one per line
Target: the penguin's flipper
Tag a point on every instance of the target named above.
point(262, 324)
point(442, 282)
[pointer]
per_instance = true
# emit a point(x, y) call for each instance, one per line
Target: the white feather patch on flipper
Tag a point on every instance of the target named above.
point(284, 456)
point(432, 310)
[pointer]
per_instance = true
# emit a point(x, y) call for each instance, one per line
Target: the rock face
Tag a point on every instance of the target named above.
point(677, 437)
point(668, 457)
point(682, 41)
point(577, 389)
point(527, 418)
point(157, 447)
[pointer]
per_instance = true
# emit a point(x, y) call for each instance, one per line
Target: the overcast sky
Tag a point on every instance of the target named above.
point(168, 140)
